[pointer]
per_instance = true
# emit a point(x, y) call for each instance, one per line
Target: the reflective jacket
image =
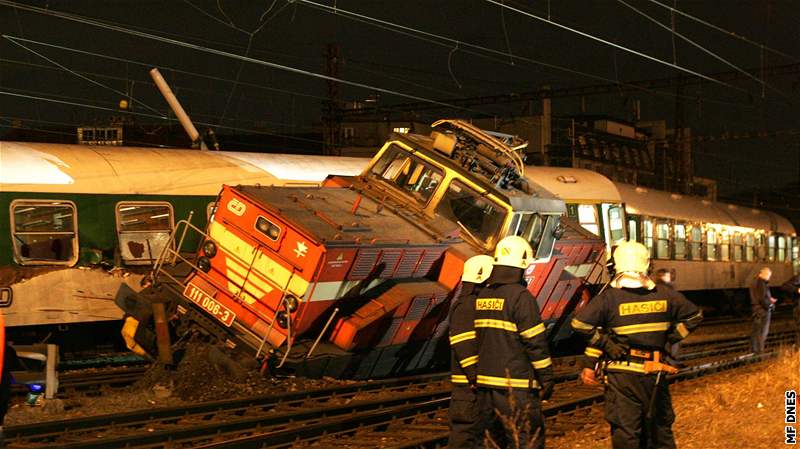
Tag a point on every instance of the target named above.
point(463, 345)
point(645, 320)
point(512, 345)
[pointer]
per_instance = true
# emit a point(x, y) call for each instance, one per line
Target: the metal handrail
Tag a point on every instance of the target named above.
point(172, 252)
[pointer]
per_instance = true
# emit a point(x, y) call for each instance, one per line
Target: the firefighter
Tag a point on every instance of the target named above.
point(627, 326)
point(514, 370)
point(464, 354)
point(762, 303)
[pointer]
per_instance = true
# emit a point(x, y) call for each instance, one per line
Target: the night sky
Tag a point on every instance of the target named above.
point(295, 34)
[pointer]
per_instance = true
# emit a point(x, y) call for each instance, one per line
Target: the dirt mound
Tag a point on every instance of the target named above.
point(204, 372)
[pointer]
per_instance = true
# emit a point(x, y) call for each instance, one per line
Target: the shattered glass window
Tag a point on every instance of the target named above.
point(479, 218)
point(44, 232)
point(144, 230)
point(409, 173)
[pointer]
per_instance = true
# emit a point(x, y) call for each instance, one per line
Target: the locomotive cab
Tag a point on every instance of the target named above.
point(465, 176)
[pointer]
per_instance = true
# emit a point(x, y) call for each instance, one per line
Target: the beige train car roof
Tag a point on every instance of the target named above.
point(38, 167)
point(657, 203)
point(575, 185)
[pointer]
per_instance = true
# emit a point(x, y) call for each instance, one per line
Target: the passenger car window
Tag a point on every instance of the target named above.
point(587, 217)
point(647, 235)
point(662, 240)
point(680, 241)
point(749, 247)
point(711, 245)
point(724, 246)
point(44, 232)
point(143, 230)
point(696, 243)
point(478, 217)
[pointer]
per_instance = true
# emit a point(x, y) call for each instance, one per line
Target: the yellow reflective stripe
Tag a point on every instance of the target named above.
point(592, 352)
point(458, 379)
point(682, 330)
point(497, 324)
point(469, 361)
point(506, 382)
point(578, 324)
point(626, 366)
point(534, 331)
point(640, 328)
point(540, 364)
point(464, 336)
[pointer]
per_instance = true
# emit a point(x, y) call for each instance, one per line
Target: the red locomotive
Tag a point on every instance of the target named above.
point(354, 278)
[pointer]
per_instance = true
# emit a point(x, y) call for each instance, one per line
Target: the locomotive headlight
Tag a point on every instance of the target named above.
point(204, 263)
point(210, 248)
point(268, 228)
point(291, 302)
point(283, 319)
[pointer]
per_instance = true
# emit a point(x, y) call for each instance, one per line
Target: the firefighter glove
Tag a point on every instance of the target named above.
point(547, 382)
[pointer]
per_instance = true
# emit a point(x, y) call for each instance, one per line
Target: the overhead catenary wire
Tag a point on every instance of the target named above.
point(172, 69)
point(142, 114)
point(96, 83)
point(698, 46)
point(446, 41)
point(474, 49)
point(222, 53)
point(724, 31)
point(614, 45)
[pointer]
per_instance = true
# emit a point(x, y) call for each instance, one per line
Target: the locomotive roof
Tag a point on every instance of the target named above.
point(658, 203)
point(326, 213)
point(539, 198)
point(45, 167)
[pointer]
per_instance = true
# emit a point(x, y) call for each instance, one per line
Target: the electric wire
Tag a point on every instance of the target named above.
point(222, 53)
point(172, 69)
point(698, 46)
point(724, 31)
point(67, 69)
point(465, 47)
point(614, 45)
point(142, 114)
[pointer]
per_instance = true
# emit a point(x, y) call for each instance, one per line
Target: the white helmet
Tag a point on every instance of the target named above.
point(477, 269)
point(631, 257)
point(513, 251)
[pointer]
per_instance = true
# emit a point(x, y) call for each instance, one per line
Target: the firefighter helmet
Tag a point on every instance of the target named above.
point(513, 251)
point(477, 269)
point(631, 257)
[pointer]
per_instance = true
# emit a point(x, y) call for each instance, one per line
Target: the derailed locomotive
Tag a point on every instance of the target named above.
point(354, 278)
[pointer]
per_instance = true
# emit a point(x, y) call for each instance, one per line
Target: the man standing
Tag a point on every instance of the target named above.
point(514, 365)
point(464, 355)
point(762, 303)
point(627, 326)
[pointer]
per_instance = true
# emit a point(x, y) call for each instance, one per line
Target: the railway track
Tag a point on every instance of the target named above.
point(410, 410)
point(91, 383)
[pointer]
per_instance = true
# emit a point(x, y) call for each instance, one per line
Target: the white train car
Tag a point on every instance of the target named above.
point(710, 246)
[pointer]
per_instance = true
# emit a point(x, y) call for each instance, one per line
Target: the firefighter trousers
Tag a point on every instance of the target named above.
point(758, 337)
point(463, 418)
point(627, 398)
point(523, 405)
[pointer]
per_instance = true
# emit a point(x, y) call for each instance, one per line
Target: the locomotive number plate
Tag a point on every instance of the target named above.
point(209, 304)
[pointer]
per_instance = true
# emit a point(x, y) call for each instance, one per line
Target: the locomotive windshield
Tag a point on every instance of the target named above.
point(408, 173)
point(477, 216)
